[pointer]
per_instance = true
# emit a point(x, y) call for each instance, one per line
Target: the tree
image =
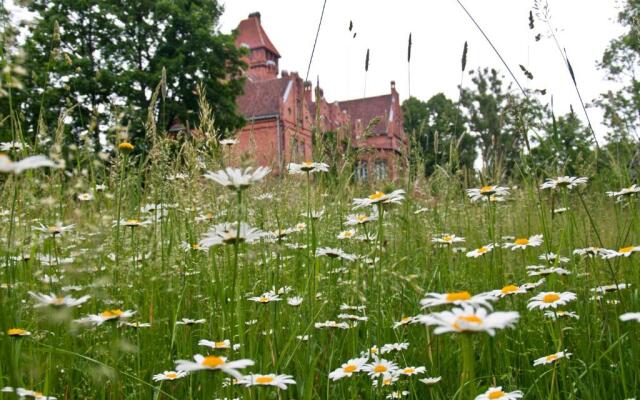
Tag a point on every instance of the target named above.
point(100, 56)
point(438, 127)
point(621, 62)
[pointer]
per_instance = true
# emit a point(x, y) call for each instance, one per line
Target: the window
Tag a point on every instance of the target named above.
point(381, 169)
point(361, 170)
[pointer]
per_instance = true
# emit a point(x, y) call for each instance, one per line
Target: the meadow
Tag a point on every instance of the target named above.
point(136, 281)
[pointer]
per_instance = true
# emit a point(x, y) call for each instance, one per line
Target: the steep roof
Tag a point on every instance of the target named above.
point(251, 33)
point(262, 98)
point(368, 108)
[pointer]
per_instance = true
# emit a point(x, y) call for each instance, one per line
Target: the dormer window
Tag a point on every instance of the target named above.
point(271, 63)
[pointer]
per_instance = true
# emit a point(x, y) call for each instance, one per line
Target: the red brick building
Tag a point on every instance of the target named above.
point(281, 112)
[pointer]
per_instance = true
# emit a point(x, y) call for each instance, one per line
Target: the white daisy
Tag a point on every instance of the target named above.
point(631, 190)
point(551, 358)
point(523, 243)
point(630, 316)
point(470, 319)
point(379, 367)
point(568, 182)
point(223, 344)
point(33, 162)
point(236, 178)
point(480, 251)
point(349, 368)
point(107, 315)
point(447, 238)
point(622, 252)
point(213, 363)
point(457, 298)
point(227, 233)
point(387, 348)
point(550, 299)
point(394, 197)
point(169, 376)
point(497, 393)
point(189, 321)
point(58, 301)
point(410, 371)
point(294, 301)
point(561, 314)
point(431, 380)
point(280, 381)
point(265, 298)
point(307, 167)
point(334, 253)
point(485, 192)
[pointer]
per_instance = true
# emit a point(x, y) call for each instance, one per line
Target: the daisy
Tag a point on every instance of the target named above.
point(294, 301)
point(348, 234)
point(447, 238)
point(622, 252)
point(487, 191)
point(388, 379)
point(394, 197)
point(523, 243)
point(15, 145)
point(224, 344)
point(610, 288)
point(22, 393)
point(307, 167)
point(410, 371)
point(280, 381)
point(57, 301)
point(136, 325)
point(456, 298)
point(561, 314)
point(480, 251)
point(551, 358)
point(379, 367)
point(388, 348)
point(631, 190)
point(550, 299)
point(169, 376)
point(588, 251)
point(334, 253)
point(561, 210)
point(265, 298)
point(404, 321)
point(236, 178)
point(548, 271)
point(229, 142)
point(54, 230)
point(191, 247)
point(18, 332)
point(33, 162)
point(331, 324)
point(630, 316)
point(352, 317)
point(361, 219)
point(213, 363)
point(568, 182)
point(227, 233)
point(398, 394)
point(470, 319)
point(497, 393)
point(188, 321)
point(507, 291)
point(431, 380)
point(553, 257)
point(532, 285)
point(107, 315)
point(85, 196)
point(349, 368)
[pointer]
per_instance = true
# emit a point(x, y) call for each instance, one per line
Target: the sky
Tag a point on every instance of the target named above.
point(439, 29)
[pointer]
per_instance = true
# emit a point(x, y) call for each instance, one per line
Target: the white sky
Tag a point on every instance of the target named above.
point(439, 29)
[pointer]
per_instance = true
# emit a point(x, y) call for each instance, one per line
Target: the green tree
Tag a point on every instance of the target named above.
point(437, 127)
point(105, 57)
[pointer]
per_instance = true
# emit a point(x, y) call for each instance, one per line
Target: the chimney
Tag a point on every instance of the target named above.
point(284, 73)
point(393, 86)
point(255, 15)
point(307, 92)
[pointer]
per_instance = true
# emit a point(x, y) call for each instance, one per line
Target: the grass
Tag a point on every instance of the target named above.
point(145, 269)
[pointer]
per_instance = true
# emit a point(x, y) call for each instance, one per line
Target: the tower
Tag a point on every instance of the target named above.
point(263, 55)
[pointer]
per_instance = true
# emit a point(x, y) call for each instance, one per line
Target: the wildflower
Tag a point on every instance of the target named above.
point(404, 321)
point(379, 367)
point(85, 196)
point(169, 376)
point(431, 380)
point(387, 348)
point(238, 179)
point(456, 298)
point(568, 182)
point(136, 325)
point(508, 290)
point(57, 301)
point(553, 257)
point(547, 271)
point(480, 251)
point(550, 299)
point(126, 147)
point(610, 288)
point(551, 358)
point(23, 393)
point(213, 363)
point(410, 371)
point(188, 321)
point(107, 315)
point(497, 393)
point(447, 238)
point(307, 167)
point(470, 319)
point(561, 210)
point(331, 324)
point(334, 253)
point(191, 247)
point(280, 381)
point(523, 243)
point(294, 301)
point(349, 368)
point(224, 344)
point(33, 162)
point(486, 192)
point(348, 234)
point(394, 197)
point(352, 317)
point(588, 251)
point(15, 145)
point(265, 298)
point(630, 316)
point(18, 332)
point(388, 379)
point(622, 252)
point(227, 233)
point(561, 314)
point(361, 219)
point(229, 142)
point(398, 394)
point(421, 210)
point(54, 230)
point(631, 190)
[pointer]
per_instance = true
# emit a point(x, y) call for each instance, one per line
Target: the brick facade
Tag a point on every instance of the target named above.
point(281, 112)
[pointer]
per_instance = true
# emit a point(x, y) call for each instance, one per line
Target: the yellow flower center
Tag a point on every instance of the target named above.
point(125, 146)
point(387, 381)
point(220, 344)
point(361, 218)
point(347, 234)
point(552, 357)
point(522, 241)
point(264, 299)
point(213, 361)
point(111, 313)
point(376, 196)
point(496, 395)
point(171, 375)
point(458, 296)
point(264, 380)
point(195, 246)
point(509, 289)
point(58, 301)
point(447, 238)
point(54, 230)
point(409, 370)
point(379, 369)
point(405, 319)
point(374, 350)
point(473, 319)
point(628, 249)
point(487, 190)
point(16, 332)
point(551, 298)
point(482, 250)
point(132, 222)
point(350, 368)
